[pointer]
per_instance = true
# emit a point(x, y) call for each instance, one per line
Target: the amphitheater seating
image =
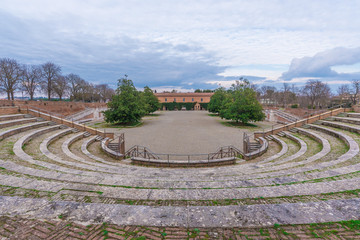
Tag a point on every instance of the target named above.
point(314, 177)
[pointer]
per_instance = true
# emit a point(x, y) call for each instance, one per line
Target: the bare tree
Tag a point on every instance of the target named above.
point(317, 92)
point(105, 92)
point(355, 91)
point(286, 94)
point(75, 83)
point(31, 79)
point(50, 73)
point(60, 86)
point(10, 76)
point(268, 94)
point(342, 91)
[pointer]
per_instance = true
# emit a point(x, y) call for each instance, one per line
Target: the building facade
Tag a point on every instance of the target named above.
point(196, 98)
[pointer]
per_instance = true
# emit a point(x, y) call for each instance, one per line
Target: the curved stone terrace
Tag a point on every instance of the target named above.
point(309, 175)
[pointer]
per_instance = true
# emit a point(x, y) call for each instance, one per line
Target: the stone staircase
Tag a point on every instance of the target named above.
point(287, 116)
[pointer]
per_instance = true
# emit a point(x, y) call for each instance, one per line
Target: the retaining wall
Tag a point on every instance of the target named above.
point(9, 110)
point(80, 127)
point(301, 122)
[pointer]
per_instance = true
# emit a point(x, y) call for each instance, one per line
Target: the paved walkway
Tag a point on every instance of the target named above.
point(22, 228)
point(183, 132)
point(190, 216)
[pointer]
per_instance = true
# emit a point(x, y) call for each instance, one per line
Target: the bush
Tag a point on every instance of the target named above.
point(172, 105)
point(204, 105)
point(294, 106)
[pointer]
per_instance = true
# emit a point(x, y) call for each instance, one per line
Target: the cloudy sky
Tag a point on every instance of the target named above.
point(184, 44)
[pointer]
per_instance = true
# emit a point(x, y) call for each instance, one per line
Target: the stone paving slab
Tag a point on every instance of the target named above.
point(192, 216)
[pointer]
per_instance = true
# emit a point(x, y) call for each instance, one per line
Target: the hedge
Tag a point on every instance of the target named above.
point(172, 105)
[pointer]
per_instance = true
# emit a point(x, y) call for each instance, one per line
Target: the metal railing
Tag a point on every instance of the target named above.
point(145, 153)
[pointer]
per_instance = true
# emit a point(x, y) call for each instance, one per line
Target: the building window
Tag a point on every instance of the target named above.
point(183, 99)
point(192, 99)
point(174, 99)
point(165, 99)
point(201, 99)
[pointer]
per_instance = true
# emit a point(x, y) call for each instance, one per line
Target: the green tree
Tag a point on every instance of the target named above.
point(151, 102)
point(216, 100)
point(126, 105)
point(242, 104)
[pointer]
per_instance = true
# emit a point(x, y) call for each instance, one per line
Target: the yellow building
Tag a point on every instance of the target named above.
point(196, 98)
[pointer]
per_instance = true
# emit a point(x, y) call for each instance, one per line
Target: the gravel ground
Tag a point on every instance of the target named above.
point(182, 132)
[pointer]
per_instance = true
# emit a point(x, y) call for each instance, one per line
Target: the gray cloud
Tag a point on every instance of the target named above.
point(320, 64)
point(147, 62)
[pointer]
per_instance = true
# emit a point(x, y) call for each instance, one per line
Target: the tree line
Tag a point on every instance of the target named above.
point(48, 79)
point(314, 94)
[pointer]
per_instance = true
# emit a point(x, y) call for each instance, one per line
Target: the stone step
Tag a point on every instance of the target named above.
point(11, 117)
point(87, 134)
point(281, 134)
point(99, 138)
point(15, 122)
point(293, 130)
point(269, 137)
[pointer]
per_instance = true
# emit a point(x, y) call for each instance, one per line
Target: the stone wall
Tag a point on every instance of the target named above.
point(58, 107)
point(301, 122)
point(8, 110)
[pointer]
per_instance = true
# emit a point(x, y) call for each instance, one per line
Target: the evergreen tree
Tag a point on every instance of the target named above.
point(241, 104)
point(216, 100)
point(126, 105)
point(151, 102)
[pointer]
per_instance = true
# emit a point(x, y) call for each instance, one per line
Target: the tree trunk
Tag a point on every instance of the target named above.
point(8, 95)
